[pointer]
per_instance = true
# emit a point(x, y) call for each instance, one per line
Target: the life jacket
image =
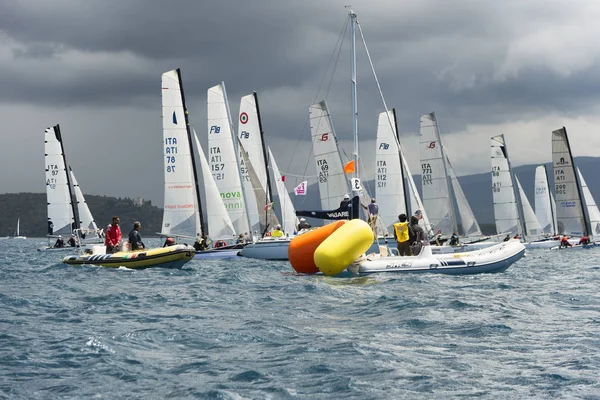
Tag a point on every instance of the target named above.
point(402, 231)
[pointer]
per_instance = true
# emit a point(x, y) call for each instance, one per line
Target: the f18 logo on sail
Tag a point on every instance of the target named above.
point(214, 129)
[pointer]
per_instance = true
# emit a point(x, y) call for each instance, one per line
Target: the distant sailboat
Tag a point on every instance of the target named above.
point(544, 202)
point(17, 235)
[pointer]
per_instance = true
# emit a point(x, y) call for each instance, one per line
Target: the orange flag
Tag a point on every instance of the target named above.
point(349, 167)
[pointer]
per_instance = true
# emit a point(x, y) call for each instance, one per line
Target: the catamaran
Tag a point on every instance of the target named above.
point(68, 212)
point(182, 216)
point(576, 211)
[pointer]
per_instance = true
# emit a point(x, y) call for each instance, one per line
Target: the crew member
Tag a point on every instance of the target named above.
point(402, 236)
point(303, 224)
point(113, 235)
point(169, 242)
point(59, 242)
point(135, 240)
point(277, 232)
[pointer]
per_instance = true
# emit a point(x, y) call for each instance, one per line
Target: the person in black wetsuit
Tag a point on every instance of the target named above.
point(59, 242)
point(135, 240)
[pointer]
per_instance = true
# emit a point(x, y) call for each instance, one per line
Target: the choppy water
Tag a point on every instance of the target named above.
point(252, 329)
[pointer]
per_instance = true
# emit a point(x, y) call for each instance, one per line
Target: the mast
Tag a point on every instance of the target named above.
point(353, 22)
point(448, 185)
point(521, 224)
point(402, 170)
point(586, 215)
point(76, 223)
point(189, 135)
point(236, 149)
point(268, 193)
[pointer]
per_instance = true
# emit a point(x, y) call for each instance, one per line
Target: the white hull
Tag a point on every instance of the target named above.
point(547, 244)
point(493, 259)
point(267, 249)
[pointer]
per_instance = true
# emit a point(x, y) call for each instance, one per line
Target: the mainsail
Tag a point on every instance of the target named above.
point(506, 212)
point(333, 183)
point(223, 158)
point(182, 214)
point(468, 225)
point(389, 178)
point(544, 201)
point(61, 218)
point(250, 137)
point(569, 209)
point(434, 178)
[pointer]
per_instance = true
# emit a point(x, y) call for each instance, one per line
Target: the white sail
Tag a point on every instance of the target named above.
point(87, 222)
point(181, 215)
point(223, 159)
point(532, 225)
point(333, 183)
point(434, 178)
point(592, 208)
point(389, 179)
point(543, 201)
point(219, 224)
point(288, 213)
point(60, 207)
point(468, 224)
point(506, 213)
point(17, 232)
point(416, 205)
point(569, 209)
point(250, 136)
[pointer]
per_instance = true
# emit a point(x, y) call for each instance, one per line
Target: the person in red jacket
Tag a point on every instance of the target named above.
point(113, 235)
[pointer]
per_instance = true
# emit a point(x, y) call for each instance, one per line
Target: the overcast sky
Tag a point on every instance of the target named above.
point(522, 68)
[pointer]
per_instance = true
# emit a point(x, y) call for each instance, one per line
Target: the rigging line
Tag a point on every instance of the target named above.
point(338, 43)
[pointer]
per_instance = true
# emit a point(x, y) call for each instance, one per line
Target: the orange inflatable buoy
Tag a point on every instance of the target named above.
point(302, 248)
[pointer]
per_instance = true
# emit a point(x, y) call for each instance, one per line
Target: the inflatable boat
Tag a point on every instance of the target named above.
point(162, 257)
point(496, 258)
point(338, 249)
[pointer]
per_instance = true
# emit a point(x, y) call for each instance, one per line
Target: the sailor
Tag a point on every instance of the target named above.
point(220, 243)
point(113, 235)
point(59, 242)
point(438, 238)
point(454, 240)
point(564, 242)
point(240, 239)
point(169, 242)
point(402, 235)
point(345, 202)
point(72, 241)
point(201, 243)
point(419, 235)
point(303, 224)
point(247, 238)
point(135, 240)
point(584, 240)
point(507, 238)
point(277, 232)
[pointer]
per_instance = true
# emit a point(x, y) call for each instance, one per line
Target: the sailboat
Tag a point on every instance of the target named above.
point(17, 234)
point(573, 199)
point(183, 217)
point(544, 202)
point(68, 212)
point(448, 208)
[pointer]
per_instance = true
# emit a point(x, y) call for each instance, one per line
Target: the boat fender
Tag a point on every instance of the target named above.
point(343, 247)
point(302, 248)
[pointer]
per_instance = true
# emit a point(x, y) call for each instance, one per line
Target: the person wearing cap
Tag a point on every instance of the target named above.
point(201, 243)
point(169, 242)
point(277, 232)
point(345, 202)
point(72, 241)
point(59, 242)
point(303, 224)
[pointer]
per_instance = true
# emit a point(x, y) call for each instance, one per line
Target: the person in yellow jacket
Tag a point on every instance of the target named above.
point(277, 232)
point(401, 234)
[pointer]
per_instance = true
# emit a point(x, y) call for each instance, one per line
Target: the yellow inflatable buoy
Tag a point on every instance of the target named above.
point(343, 246)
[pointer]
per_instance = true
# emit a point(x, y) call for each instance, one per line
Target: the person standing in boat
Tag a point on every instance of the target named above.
point(373, 209)
point(420, 237)
point(277, 232)
point(303, 224)
point(135, 240)
point(402, 235)
point(113, 235)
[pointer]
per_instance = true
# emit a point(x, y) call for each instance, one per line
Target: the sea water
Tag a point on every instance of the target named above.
point(242, 329)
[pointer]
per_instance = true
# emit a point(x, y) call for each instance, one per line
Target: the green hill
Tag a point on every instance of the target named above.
point(31, 208)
